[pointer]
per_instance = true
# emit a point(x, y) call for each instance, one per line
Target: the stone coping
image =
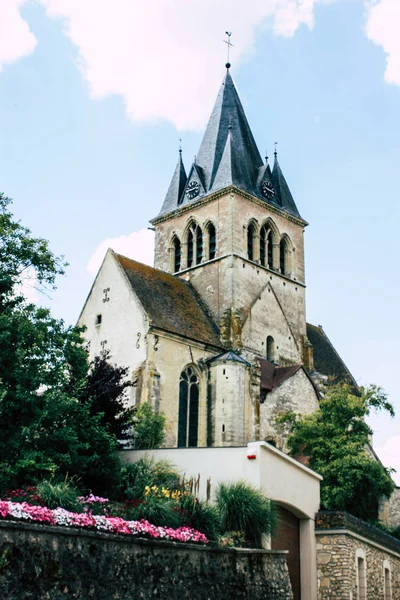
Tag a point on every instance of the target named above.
point(6, 524)
point(329, 520)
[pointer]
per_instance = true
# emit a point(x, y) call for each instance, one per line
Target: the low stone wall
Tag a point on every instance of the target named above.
point(40, 562)
point(341, 538)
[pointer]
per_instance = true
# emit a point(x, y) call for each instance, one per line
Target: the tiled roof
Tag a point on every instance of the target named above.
point(170, 303)
point(326, 360)
point(228, 156)
point(272, 375)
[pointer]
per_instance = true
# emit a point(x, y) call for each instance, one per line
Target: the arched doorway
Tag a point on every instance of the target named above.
point(287, 537)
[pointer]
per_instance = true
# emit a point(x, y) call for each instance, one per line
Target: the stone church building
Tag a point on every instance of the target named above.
point(215, 335)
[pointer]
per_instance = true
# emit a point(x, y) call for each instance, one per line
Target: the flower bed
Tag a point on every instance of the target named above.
point(59, 516)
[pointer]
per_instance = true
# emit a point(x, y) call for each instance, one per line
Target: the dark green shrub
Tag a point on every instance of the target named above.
point(148, 428)
point(245, 508)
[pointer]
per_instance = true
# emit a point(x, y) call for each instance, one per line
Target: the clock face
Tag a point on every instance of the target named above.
point(267, 190)
point(193, 190)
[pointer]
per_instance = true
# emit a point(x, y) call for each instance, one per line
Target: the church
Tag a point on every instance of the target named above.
point(215, 337)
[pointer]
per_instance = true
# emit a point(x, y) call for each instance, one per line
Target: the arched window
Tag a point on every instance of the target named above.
point(190, 248)
point(266, 247)
point(212, 242)
point(387, 581)
point(250, 242)
point(199, 245)
point(270, 348)
point(177, 254)
point(282, 256)
point(194, 245)
point(188, 421)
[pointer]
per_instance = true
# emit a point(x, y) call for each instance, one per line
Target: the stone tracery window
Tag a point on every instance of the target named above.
point(194, 245)
point(188, 419)
point(266, 247)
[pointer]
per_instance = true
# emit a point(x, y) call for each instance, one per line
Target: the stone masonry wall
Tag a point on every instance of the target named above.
point(337, 551)
point(39, 562)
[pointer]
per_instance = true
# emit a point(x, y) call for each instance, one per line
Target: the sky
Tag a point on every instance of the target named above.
point(95, 95)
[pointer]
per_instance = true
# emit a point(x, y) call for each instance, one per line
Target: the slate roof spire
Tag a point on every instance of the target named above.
point(228, 156)
point(284, 198)
point(176, 186)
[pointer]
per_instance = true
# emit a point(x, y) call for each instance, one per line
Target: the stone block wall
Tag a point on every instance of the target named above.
point(343, 540)
point(40, 562)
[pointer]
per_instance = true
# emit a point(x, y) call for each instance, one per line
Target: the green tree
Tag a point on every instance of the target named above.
point(44, 429)
point(148, 427)
point(104, 388)
point(335, 440)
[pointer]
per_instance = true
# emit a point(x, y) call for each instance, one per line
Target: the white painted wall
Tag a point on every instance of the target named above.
point(122, 317)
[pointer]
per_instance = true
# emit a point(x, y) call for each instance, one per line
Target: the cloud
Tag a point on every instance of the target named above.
point(382, 28)
point(16, 39)
point(138, 245)
point(390, 455)
point(166, 58)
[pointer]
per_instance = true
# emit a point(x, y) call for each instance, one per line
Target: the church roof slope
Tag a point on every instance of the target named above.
point(170, 303)
point(273, 375)
point(176, 187)
point(326, 359)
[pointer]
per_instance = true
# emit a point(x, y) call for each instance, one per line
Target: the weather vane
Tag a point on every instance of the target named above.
point(230, 45)
point(180, 145)
point(276, 152)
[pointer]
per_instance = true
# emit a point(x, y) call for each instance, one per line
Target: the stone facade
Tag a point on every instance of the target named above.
point(40, 562)
point(390, 509)
point(355, 561)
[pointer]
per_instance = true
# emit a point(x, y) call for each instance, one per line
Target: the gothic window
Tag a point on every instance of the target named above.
point(190, 248)
point(266, 247)
point(194, 245)
point(177, 255)
point(250, 242)
point(199, 245)
point(282, 252)
point(212, 242)
point(188, 421)
point(270, 348)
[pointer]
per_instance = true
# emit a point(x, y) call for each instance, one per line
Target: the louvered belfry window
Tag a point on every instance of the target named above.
point(250, 242)
point(199, 245)
point(188, 422)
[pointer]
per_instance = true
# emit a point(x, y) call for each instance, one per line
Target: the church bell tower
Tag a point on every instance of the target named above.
point(231, 227)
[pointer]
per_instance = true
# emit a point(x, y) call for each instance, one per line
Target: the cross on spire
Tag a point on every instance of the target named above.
point(230, 45)
point(276, 151)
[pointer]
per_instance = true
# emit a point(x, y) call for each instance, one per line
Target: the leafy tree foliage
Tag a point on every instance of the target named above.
point(44, 429)
point(335, 440)
point(148, 428)
point(105, 390)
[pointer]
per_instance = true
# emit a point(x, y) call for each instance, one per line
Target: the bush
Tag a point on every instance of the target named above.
point(146, 472)
point(244, 508)
point(200, 515)
point(63, 494)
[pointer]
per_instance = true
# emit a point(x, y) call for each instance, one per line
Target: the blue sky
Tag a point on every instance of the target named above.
point(93, 101)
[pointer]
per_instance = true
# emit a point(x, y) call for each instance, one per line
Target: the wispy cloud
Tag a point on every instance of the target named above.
point(138, 245)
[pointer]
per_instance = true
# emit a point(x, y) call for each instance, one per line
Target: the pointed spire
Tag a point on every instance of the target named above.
point(228, 110)
point(284, 198)
point(176, 186)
